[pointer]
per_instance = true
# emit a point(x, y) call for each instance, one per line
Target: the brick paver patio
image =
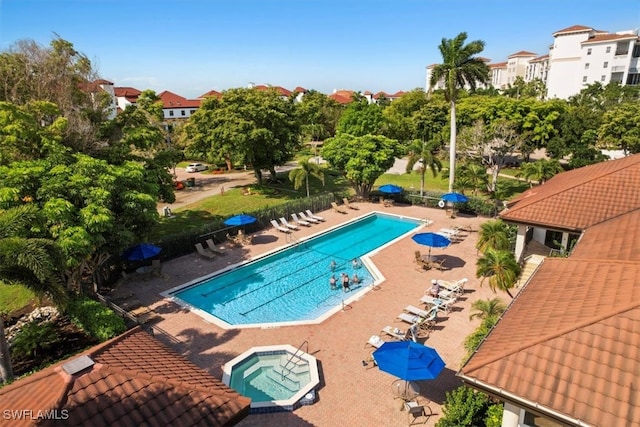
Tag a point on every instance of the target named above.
point(349, 393)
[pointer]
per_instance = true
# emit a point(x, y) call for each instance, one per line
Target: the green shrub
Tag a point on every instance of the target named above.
point(33, 338)
point(494, 415)
point(464, 407)
point(95, 319)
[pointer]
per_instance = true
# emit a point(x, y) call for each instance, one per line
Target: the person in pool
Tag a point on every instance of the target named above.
point(355, 279)
point(333, 265)
point(345, 282)
point(333, 281)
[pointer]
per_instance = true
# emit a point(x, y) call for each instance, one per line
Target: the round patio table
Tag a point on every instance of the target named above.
point(405, 390)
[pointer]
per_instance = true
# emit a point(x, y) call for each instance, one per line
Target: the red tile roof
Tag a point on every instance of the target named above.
point(135, 381)
point(172, 100)
point(498, 65)
point(300, 89)
point(540, 58)
point(580, 198)
point(341, 99)
point(213, 93)
point(522, 53)
point(599, 38)
point(573, 29)
point(126, 91)
point(569, 344)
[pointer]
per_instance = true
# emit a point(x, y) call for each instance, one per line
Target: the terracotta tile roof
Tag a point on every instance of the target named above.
point(573, 29)
point(498, 65)
point(282, 91)
point(127, 92)
point(300, 89)
point(135, 381)
point(522, 53)
point(599, 38)
point(580, 198)
point(172, 100)
point(381, 93)
point(569, 343)
point(540, 58)
point(213, 93)
point(341, 99)
point(398, 94)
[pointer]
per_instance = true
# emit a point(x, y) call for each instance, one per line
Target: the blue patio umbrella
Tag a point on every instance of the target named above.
point(141, 252)
point(239, 220)
point(408, 360)
point(433, 240)
point(455, 198)
point(390, 189)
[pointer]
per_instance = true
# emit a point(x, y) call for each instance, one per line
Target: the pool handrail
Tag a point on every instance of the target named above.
point(294, 355)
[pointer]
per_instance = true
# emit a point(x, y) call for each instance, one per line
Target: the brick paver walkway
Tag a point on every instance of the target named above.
point(350, 394)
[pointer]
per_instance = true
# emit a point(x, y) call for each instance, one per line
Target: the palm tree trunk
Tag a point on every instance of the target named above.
point(452, 147)
point(423, 170)
point(306, 180)
point(6, 371)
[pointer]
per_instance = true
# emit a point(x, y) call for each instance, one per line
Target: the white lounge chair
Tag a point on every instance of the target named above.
point(212, 247)
point(308, 219)
point(300, 221)
point(279, 227)
point(439, 303)
point(314, 216)
point(287, 224)
point(204, 252)
point(456, 286)
point(375, 341)
point(395, 333)
point(409, 318)
point(412, 309)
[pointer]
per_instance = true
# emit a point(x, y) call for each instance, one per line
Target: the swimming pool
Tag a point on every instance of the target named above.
point(292, 284)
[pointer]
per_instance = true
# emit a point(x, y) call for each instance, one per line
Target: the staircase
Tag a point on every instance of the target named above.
point(531, 264)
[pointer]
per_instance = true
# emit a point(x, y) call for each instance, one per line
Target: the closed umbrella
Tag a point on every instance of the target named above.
point(238, 220)
point(390, 189)
point(433, 240)
point(141, 252)
point(409, 361)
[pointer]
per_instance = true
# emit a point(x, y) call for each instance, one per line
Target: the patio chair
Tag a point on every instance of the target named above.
point(374, 341)
point(156, 267)
point(205, 253)
point(438, 264)
point(308, 219)
point(314, 216)
point(417, 411)
point(441, 304)
point(279, 227)
point(409, 318)
point(395, 333)
point(349, 205)
point(421, 261)
point(287, 224)
point(300, 221)
point(456, 286)
point(212, 247)
point(337, 208)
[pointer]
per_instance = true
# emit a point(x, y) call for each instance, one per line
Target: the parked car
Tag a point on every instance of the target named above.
point(196, 167)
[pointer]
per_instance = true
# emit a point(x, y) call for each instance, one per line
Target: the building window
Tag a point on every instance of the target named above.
point(606, 65)
point(633, 79)
point(171, 113)
point(608, 49)
point(193, 111)
point(586, 66)
point(622, 48)
point(589, 51)
point(183, 113)
point(602, 78)
point(584, 79)
point(636, 51)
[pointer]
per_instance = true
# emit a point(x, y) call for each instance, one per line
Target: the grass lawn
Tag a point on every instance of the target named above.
point(14, 297)
point(408, 180)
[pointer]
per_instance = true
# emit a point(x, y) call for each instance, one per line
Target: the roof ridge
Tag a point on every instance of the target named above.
point(558, 334)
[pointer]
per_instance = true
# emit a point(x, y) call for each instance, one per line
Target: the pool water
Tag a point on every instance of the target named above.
point(264, 378)
point(293, 284)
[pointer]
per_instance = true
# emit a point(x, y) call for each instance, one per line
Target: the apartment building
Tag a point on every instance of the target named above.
point(578, 57)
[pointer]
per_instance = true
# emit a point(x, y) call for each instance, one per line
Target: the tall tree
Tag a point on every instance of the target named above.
point(621, 127)
point(425, 154)
point(29, 261)
point(493, 235)
point(361, 118)
point(459, 68)
point(258, 126)
point(540, 171)
point(361, 159)
point(301, 174)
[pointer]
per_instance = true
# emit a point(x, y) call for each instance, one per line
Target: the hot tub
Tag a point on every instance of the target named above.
point(276, 378)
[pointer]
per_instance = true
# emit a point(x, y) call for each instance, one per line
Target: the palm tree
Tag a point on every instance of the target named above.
point(460, 67)
point(493, 235)
point(301, 175)
point(476, 175)
point(500, 267)
point(31, 262)
point(423, 152)
point(540, 171)
point(487, 308)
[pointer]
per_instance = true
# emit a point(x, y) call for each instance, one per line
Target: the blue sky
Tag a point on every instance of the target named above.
point(192, 46)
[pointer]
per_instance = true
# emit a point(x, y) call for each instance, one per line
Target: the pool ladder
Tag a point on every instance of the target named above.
point(291, 238)
point(290, 359)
